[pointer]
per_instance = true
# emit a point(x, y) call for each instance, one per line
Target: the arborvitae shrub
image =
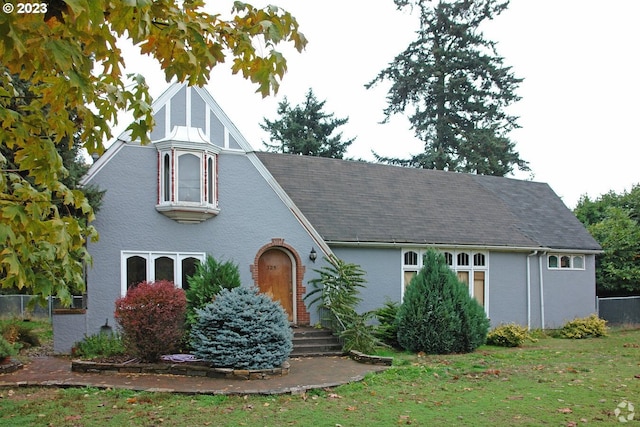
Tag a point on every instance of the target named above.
point(438, 316)
point(151, 317)
point(510, 335)
point(586, 327)
point(208, 280)
point(242, 328)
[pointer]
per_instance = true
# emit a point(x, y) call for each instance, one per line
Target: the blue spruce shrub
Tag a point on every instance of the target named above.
point(437, 315)
point(243, 329)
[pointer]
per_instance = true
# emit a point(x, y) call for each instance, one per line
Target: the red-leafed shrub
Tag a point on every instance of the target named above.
point(151, 317)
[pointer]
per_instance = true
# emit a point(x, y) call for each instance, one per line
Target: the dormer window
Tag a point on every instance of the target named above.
point(187, 176)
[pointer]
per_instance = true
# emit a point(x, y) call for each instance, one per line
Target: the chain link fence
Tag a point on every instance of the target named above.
point(18, 306)
point(619, 310)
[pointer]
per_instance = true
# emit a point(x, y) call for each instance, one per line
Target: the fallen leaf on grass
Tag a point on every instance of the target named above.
point(334, 396)
point(351, 408)
point(515, 397)
point(73, 417)
point(565, 410)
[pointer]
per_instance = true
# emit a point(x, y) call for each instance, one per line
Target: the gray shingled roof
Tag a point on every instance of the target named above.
point(350, 201)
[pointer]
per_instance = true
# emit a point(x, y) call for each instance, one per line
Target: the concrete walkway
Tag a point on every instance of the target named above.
point(305, 374)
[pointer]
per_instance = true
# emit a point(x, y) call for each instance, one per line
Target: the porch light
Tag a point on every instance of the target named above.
point(313, 255)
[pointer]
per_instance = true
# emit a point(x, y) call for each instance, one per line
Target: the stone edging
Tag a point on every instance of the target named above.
point(372, 360)
point(188, 369)
point(12, 366)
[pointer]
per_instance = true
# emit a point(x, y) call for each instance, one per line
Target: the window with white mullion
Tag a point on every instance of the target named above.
point(470, 266)
point(153, 266)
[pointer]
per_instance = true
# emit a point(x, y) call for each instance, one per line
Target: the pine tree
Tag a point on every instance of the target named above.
point(454, 88)
point(242, 329)
point(438, 316)
point(306, 129)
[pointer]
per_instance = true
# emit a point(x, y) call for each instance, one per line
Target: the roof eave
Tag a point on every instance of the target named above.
point(497, 248)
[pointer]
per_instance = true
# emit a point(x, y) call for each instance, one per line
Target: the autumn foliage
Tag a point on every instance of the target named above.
point(151, 317)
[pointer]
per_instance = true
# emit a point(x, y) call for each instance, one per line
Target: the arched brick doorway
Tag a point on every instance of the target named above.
point(277, 270)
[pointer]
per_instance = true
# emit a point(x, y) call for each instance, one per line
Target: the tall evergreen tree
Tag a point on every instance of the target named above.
point(454, 88)
point(306, 129)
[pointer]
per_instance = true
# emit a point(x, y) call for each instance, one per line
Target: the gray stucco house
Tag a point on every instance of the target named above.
point(199, 188)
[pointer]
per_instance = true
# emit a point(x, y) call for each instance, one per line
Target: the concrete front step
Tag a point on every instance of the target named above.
point(308, 342)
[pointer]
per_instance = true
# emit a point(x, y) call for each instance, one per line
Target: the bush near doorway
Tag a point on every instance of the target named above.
point(242, 329)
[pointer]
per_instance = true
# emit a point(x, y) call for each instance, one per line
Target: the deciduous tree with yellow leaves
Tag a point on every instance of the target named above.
point(70, 54)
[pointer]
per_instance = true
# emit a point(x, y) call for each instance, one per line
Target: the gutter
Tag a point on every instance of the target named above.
point(497, 248)
point(541, 290)
point(534, 253)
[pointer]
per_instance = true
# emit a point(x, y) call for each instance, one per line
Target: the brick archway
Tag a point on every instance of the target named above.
point(302, 314)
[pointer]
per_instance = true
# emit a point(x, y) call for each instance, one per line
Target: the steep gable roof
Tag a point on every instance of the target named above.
point(348, 201)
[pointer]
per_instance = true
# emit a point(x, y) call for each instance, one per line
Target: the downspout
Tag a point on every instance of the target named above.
point(529, 288)
point(541, 290)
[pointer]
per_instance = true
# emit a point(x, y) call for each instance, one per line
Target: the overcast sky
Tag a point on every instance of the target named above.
point(579, 58)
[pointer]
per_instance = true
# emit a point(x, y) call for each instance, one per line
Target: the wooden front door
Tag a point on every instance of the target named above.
point(275, 278)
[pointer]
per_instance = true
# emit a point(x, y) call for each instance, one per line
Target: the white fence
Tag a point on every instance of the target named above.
point(18, 306)
point(619, 310)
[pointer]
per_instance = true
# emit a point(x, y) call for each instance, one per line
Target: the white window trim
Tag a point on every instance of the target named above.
point(150, 257)
point(572, 257)
point(455, 267)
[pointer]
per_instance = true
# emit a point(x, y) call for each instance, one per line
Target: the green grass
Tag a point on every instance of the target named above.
point(556, 382)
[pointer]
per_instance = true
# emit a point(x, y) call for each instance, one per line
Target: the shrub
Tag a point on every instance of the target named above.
point(151, 317)
point(208, 280)
point(17, 334)
point(586, 327)
point(510, 335)
point(437, 315)
point(6, 349)
point(100, 345)
point(242, 328)
point(387, 329)
point(337, 295)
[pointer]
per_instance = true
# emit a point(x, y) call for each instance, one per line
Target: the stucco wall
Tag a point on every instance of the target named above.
point(569, 293)
point(566, 294)
point(251, 215)
point(383, 274)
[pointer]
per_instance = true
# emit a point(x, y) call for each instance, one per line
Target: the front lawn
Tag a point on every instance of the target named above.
point(553, 381)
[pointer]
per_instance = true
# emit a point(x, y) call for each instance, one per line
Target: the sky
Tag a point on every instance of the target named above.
point(579, 60)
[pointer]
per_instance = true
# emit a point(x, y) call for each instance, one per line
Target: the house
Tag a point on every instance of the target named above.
point(199, 188)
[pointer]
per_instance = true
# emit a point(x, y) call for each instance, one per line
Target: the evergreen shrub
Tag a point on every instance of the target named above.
point(438, 316)
point(586, 327)
point(208, 280)
point(509, 335)
point(387, 328)
point(242, 329)
point(151, 317)
point(6, 349)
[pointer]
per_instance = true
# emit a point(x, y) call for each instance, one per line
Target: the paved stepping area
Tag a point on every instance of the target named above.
point(305, 373)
